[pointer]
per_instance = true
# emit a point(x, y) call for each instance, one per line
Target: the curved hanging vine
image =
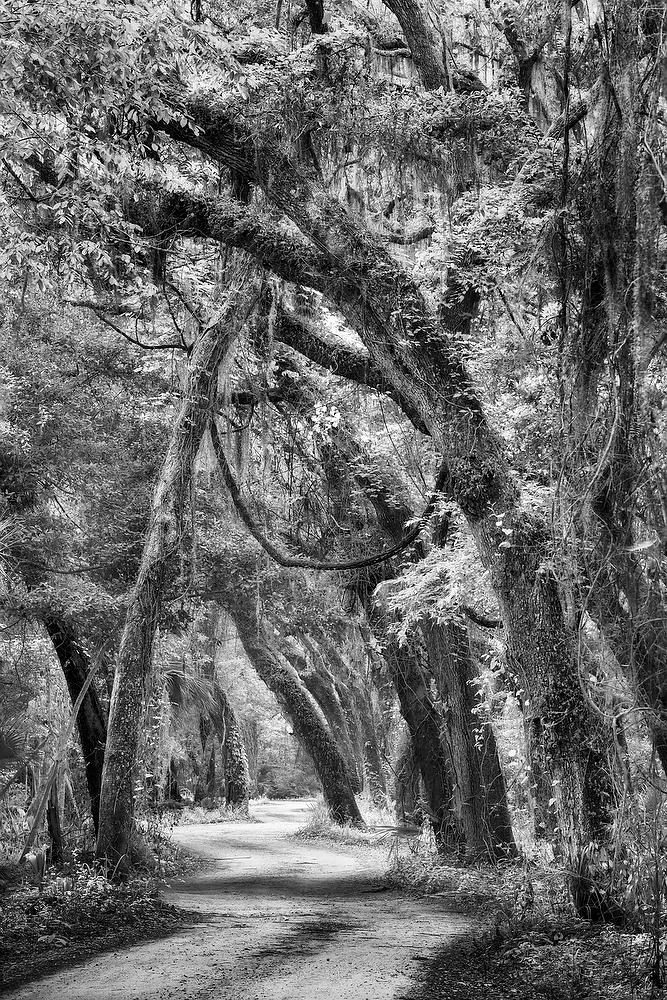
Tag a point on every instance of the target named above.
point(294, 562)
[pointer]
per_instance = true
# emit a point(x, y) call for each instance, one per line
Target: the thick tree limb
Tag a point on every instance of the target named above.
point(379, 299)
point(428, 49)
point(424, 40)
point(300, 333)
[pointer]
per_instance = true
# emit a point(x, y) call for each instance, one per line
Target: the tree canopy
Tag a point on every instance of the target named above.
point(347, 322)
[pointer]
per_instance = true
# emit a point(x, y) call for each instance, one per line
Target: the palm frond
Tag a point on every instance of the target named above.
point(187, 691)
point(12, 743)
point(10, 534)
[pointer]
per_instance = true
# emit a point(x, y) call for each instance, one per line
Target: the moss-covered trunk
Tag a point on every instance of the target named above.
point(235, 758)
point(407, 781)
point(481, 795)
point(353, 693)
point(405, 662)
point(321, 685)
point(161, 545)
point(295, 701)
point(574, 740)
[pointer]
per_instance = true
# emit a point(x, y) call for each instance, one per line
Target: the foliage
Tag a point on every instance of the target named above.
point(320, 826)
point(212, 813)
point(80, 911)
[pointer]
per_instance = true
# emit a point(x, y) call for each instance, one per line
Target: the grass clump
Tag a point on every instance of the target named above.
point(320, 826)
point(192, 815)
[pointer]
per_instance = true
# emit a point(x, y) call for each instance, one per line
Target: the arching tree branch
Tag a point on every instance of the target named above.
point(301, 334)
point(293, 562)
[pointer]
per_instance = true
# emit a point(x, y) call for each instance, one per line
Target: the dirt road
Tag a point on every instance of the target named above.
point(285, 920)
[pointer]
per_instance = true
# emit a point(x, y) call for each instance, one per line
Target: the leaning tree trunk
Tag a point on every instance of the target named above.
point(172, 790)
point(320, 684)
point(324, 694)
point(407, 780)
point(354, 689)
point(160, 547)
point(295, 701)
point(206, 771)
point(347, 697)
point(90, 720)
point(377, 781)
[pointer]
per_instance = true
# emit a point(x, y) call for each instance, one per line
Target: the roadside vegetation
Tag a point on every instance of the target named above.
point(54, 915)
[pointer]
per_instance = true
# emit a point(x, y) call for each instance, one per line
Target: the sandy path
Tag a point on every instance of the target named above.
point(285, 921)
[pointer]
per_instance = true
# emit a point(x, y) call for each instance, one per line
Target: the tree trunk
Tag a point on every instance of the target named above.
point(425, 40)
point(540, 789)
point(407, 782)
point(347, 695)
point(54, 825)
point(91, 723)
point(377, 783)
point(235, 759)
point(405, 665)
point(172, 790)
point(320, 683)
point(203, 784)
point(160, 547)
point(574, 740)
point(283, 681)
point(484, 814)
point(355, 689)
point(324, 694)
point(211, 772)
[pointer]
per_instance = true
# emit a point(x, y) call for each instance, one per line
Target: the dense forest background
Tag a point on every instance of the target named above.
point(332, 422)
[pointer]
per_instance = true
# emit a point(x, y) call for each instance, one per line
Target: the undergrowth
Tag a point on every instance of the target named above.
point(52, 914)
point(196, 814)
point(377, 831)
point(49, 921)
point(528, 942)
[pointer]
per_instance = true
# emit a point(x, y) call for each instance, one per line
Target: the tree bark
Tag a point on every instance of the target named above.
point(54, 825)
point(172, 790)
point(160, 547)
point(407, 782)
point(91, 722)
point(350, 685)
point(405, 663)
point(280, 678)
point(425, 41)
point(321, 685)
point(481, 791)
point(235, 758)
point(203, 783)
